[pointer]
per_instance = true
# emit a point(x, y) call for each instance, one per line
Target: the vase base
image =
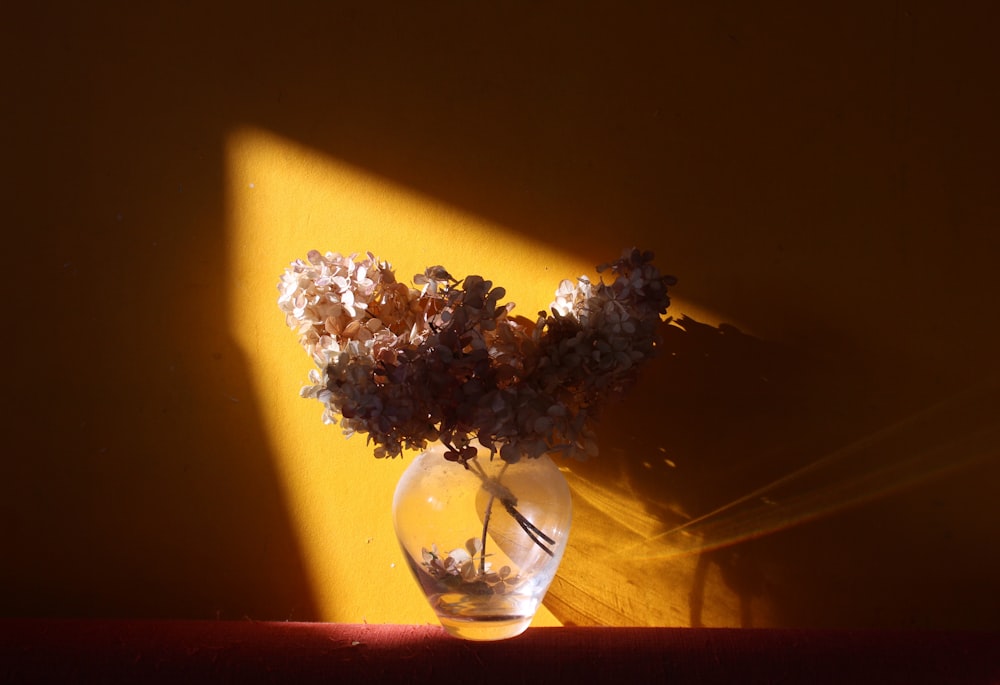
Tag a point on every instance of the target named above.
point(485, 628)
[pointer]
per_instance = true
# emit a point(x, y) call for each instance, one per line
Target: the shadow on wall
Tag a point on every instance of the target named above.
point(140, 482)
point(742, 484)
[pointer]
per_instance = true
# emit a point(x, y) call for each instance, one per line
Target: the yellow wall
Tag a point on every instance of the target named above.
point(820, 447)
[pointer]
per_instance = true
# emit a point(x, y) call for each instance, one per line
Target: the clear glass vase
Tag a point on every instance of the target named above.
point(483, 542)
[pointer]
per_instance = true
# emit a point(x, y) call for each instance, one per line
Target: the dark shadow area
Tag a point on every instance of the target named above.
point(137, 479)
point(786, 476)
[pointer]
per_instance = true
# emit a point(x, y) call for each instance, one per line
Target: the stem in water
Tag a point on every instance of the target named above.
point(486, 525)
point(495, 489)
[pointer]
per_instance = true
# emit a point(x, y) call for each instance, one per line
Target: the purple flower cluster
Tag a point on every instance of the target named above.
point(445, 360)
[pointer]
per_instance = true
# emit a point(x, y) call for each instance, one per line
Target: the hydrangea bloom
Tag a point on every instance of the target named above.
point(449, 362)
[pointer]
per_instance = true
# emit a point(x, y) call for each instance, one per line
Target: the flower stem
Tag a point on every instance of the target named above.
point(533, 531)
point(486, 525)
point(481, 472)
point(494, 487)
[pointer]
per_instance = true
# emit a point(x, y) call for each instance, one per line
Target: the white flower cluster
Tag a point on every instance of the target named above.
point(459, 567)
point(448, 362)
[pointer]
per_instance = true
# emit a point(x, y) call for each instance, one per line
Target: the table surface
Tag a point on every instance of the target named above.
point(80, 650)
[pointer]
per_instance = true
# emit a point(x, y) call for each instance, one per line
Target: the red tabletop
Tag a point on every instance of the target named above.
point(155, 651)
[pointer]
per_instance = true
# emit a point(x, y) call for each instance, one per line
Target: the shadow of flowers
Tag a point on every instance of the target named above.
point(694, 512)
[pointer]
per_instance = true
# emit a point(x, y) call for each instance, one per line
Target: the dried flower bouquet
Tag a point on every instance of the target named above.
point(445, 360)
